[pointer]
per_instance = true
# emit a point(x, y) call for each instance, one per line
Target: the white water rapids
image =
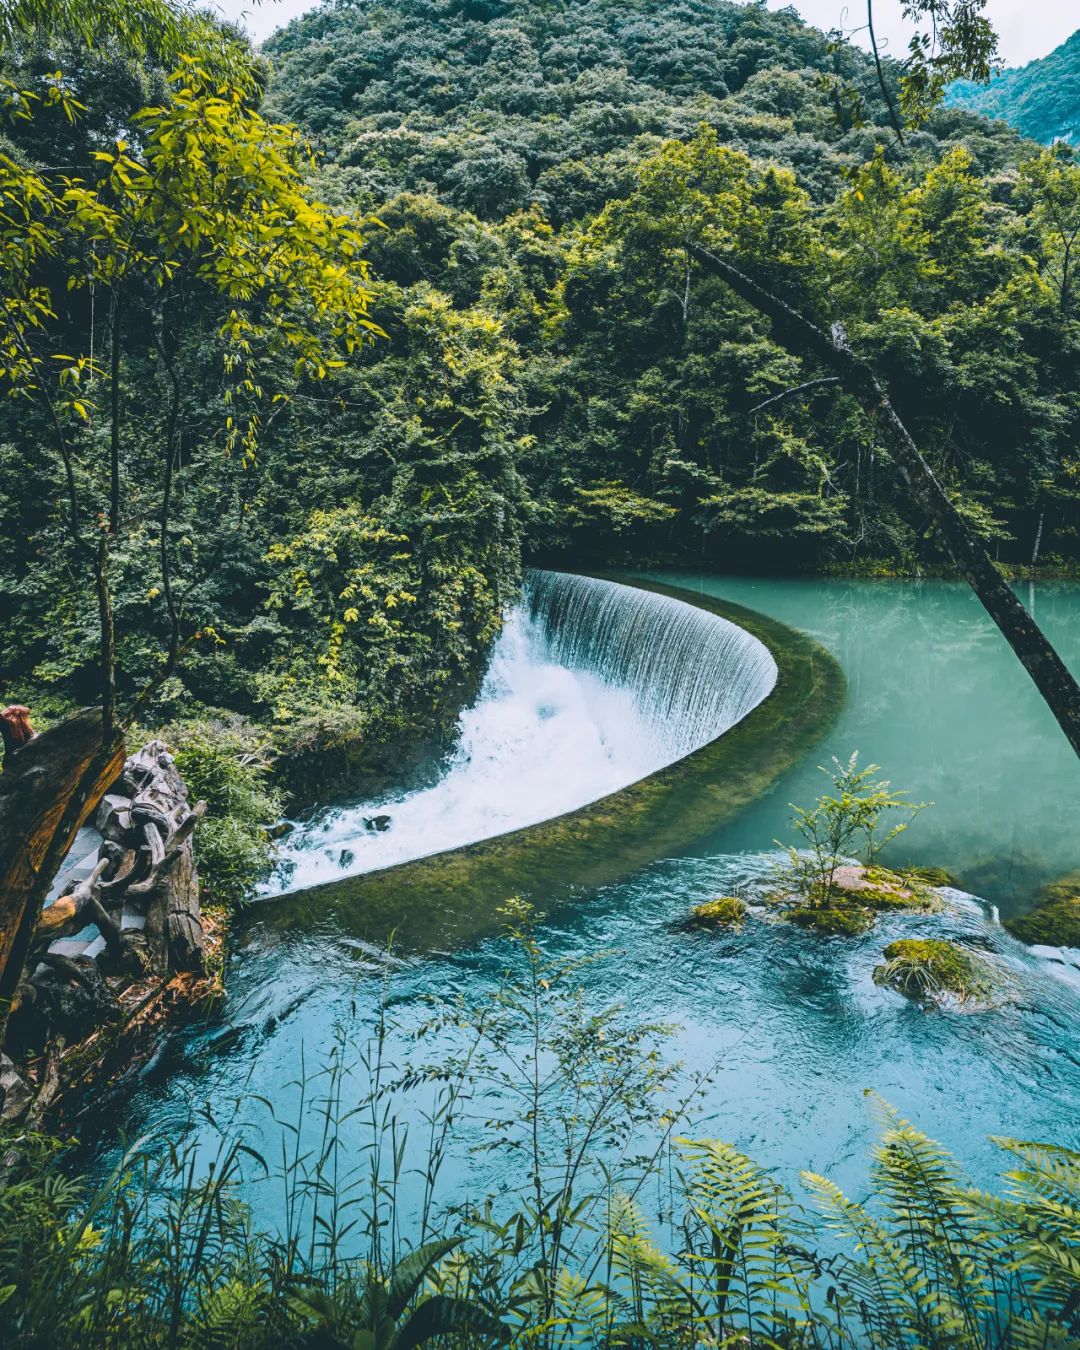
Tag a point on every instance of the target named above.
point(592, 686)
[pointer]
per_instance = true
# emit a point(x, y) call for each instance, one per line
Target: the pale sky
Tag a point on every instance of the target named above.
point(1026, 28)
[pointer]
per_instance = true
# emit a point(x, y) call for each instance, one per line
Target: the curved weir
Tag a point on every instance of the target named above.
point(692, 673)
point(592, 686)
point(619, 722)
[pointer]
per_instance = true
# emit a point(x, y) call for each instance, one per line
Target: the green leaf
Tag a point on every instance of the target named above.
point(441, 1315)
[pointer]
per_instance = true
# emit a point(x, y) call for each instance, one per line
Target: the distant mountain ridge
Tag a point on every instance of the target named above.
point(1041, 99)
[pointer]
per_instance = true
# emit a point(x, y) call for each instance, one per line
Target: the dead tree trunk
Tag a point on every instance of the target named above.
point(149, 829)
point(1051, 676)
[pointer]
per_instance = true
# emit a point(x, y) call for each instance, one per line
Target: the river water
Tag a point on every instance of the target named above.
point(790, 1029)
point(937, 698)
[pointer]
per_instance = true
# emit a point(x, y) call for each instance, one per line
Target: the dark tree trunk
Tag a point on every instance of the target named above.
point(1051, 676)
point(47, 790)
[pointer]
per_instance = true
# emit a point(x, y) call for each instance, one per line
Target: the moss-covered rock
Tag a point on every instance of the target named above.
point(722, 912)
point(928, 969)
point(1055, 920)
point(847, 921)
point(857, 895)
point(879, 889)
point(928, 876)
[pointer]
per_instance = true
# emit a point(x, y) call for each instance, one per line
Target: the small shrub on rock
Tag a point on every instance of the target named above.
point(227, 763)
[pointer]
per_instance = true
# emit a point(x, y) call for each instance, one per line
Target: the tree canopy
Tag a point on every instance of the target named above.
point(216, 246)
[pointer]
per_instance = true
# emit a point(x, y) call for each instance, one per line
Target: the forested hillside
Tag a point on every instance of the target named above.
point(341, 506)
point(528, 159)
point(1042, 98)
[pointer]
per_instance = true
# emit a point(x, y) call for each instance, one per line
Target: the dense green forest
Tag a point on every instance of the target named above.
point(559, 131)
point(306, 354)
point(1041, 98)
point(531, 367)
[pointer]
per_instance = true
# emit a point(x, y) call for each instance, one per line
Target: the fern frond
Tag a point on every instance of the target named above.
point(582, 1312)
point(919, 1185)
point(1037, 1334)
point(228, 1314)
point(1050, 1176)
point(890, 1288)
point(1040, 1254)
point(753, 1280)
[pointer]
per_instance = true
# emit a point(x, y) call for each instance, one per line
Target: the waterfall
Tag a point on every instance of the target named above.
point(591, 686)
point(692, 674)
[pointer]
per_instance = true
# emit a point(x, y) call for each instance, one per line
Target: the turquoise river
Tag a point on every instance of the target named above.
point(783, 1032)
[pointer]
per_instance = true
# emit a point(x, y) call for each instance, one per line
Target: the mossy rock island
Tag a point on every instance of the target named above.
point(726, 911)
point(1055, 920)
point(846, 921)
point(932, 972)
point(856, 896)
point(934, 877)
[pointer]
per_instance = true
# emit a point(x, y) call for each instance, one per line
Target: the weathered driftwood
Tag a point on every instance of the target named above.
point(71, 913)
point(50, 785)
point(152, 818)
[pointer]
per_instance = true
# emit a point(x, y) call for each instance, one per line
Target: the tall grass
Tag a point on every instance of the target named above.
point(618, 1232)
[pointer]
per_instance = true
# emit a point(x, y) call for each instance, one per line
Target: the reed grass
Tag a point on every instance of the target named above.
point(620, 1231)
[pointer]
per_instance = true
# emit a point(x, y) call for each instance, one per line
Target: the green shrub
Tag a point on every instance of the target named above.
point(853, 823)
point(226, 762)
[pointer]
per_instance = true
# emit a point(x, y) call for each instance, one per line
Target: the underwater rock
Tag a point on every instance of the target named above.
point(1055, 919)
point(723, 912)
point(931, 971)
point(377, 823)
